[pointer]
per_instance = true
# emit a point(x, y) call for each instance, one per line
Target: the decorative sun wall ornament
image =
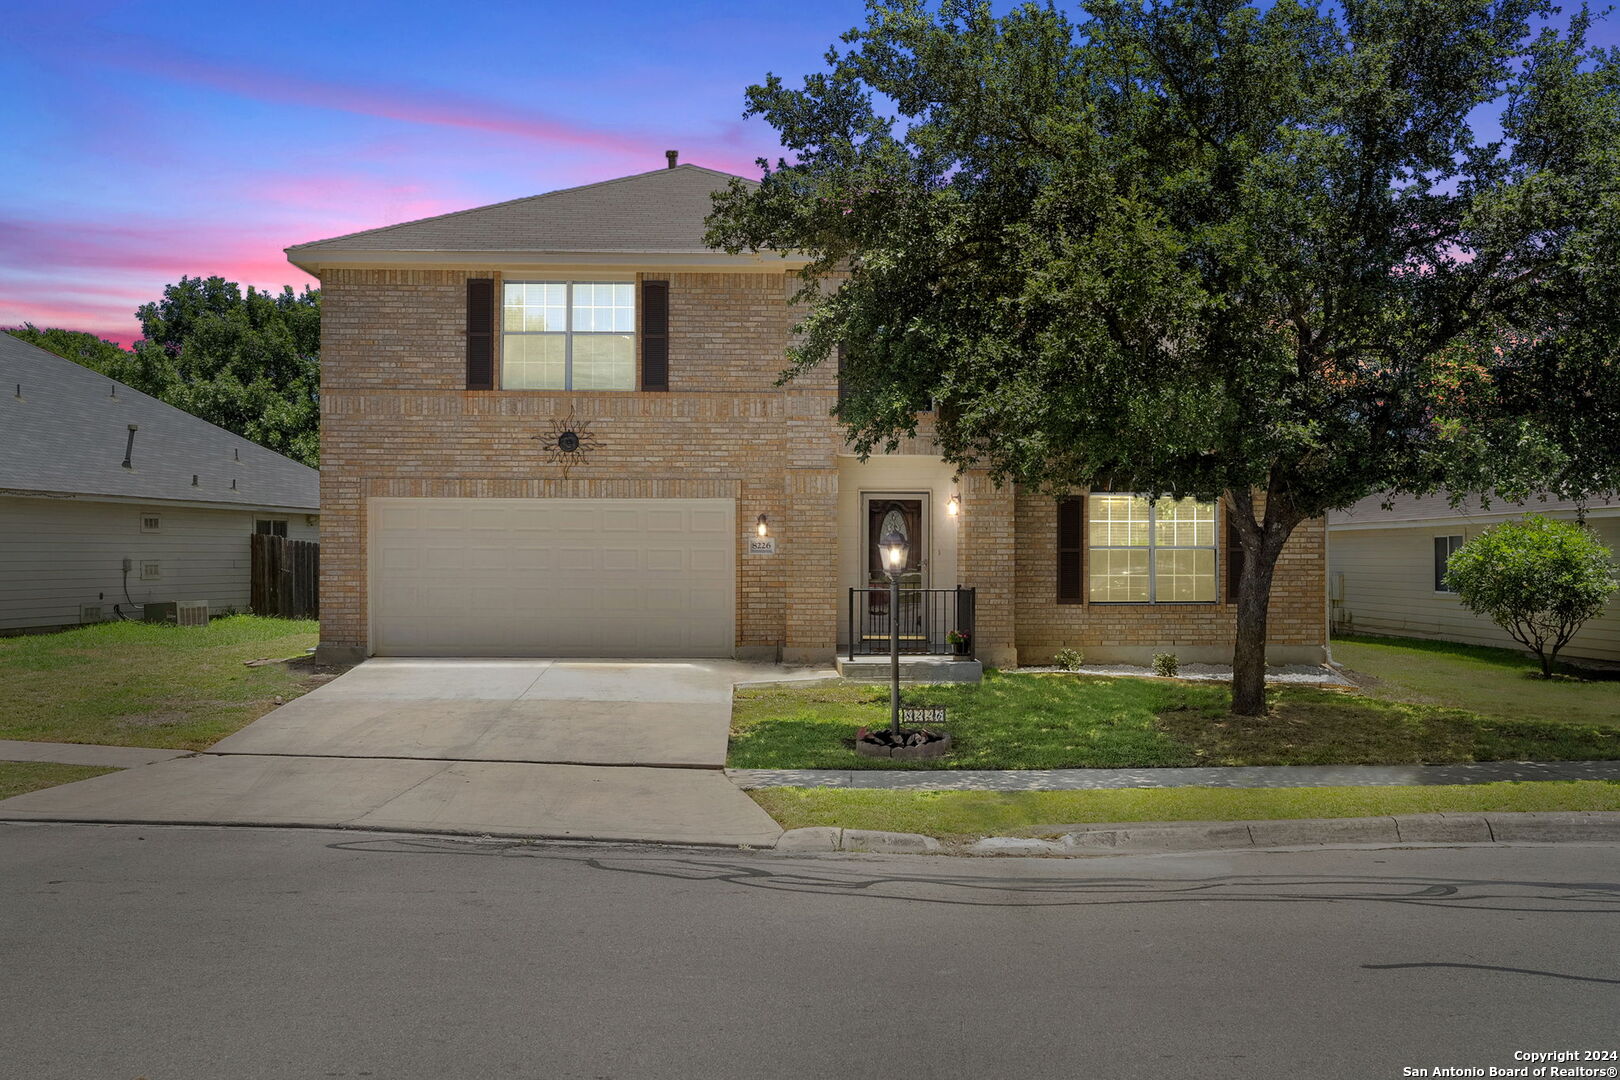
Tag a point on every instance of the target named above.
point(568, 442)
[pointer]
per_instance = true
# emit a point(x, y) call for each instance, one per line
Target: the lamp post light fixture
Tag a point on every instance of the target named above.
point(895, 551)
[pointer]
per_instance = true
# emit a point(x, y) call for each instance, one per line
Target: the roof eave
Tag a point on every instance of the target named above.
point(159, 500)
point(312, 261)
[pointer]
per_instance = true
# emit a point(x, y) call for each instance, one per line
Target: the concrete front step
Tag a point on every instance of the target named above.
point(915, 669)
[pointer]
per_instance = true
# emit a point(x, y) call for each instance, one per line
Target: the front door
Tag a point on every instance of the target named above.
point(902, 514)
point(907, 515)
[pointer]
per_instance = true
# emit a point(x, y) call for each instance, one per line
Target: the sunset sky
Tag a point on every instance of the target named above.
point(144, 142)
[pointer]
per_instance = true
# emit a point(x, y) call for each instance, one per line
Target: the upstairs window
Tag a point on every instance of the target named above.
point(1143, 552)
point(568, 335)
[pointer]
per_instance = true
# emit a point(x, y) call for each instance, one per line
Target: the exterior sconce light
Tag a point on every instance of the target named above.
point(763, 526)
point(953, 506)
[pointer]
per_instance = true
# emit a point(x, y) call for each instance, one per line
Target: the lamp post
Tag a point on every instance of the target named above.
point(895, 550)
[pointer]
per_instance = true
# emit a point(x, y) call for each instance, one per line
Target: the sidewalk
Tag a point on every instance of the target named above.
point(1234, 776)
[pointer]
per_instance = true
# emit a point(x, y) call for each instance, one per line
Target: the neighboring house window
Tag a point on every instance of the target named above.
point(568, 336)
point(150, 571)
point(1143, 552)
point(270, 527)
point(1444, 547)
point(151, 523)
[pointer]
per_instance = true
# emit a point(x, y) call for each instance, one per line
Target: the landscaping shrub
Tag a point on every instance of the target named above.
point(1069, 659)
point(1538, 579)
point(1166, 664)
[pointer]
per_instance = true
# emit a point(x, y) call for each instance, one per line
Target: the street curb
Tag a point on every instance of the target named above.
point(825, 838)
point(1585, 826)
point(1462, 828)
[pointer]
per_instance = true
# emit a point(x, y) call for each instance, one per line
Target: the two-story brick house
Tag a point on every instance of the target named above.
point(553, 427)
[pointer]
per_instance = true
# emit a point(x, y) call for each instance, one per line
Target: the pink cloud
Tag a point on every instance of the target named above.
point(87, 275)
point(399, 103)
point(155, 248)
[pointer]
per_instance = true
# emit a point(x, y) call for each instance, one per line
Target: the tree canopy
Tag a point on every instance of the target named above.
point(248, 362)
point(1310, 250)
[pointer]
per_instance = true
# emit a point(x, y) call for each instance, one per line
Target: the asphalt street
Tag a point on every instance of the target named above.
point(169, 953)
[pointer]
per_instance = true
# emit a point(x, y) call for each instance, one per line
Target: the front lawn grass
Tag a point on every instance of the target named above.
point(21, 777)
point(1491, 682)
point(953, 815)
point(149, 684)
point(1050, 721)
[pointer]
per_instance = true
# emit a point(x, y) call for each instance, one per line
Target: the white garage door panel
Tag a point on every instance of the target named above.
point(553, 577)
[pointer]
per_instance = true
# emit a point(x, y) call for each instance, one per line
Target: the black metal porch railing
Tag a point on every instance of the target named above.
point(926, 619)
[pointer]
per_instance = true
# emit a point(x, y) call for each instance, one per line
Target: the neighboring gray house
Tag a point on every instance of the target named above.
point(1385, 569)
point(110, 499)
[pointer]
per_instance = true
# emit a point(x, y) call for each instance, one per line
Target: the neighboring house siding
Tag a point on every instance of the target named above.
point(56, 554)
point(1201, 633)
point(1388, 588)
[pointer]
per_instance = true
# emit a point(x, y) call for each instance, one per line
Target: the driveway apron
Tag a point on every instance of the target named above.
point(586, 749)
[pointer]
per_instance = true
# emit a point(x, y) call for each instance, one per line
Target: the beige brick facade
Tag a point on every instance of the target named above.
point(397, 422)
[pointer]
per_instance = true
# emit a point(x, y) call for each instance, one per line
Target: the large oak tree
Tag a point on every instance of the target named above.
point(1292, 254)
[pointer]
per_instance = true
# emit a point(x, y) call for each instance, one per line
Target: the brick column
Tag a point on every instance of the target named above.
point(343, 572)
point(809, 549)
point(986, 561)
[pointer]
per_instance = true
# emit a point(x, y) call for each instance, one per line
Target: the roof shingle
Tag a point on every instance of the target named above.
point(658, 211)
point(67, 430)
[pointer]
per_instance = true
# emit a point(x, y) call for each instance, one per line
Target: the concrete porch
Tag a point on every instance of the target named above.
point(913, 669)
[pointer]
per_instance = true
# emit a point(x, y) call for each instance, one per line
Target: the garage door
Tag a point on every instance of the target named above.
point(553, 577)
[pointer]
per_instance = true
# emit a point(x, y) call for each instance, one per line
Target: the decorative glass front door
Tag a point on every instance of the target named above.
point(886, 514)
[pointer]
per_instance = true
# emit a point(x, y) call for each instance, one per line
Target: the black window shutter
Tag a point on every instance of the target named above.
point(480, 333)
point(1234, 558)
point(655, 335)
point(1071, 549)
point(838, 353)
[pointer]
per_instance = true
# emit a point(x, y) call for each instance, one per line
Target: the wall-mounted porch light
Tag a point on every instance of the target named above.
point(953, 506)
point(763, 526)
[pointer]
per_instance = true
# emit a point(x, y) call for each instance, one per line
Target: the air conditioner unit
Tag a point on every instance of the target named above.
point(191, 613)
point(89, 613)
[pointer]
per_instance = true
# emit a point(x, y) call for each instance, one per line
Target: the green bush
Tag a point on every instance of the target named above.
point(1166, 664)
point(1538, 579)
point(1069, 659)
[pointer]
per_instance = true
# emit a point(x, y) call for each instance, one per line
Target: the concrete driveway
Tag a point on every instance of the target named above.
point(575, 712)
point(601, 750)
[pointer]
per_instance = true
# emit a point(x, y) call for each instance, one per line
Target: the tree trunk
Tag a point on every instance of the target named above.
point(1262, 545)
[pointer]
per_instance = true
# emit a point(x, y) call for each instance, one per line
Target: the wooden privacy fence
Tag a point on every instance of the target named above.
point(286, 577)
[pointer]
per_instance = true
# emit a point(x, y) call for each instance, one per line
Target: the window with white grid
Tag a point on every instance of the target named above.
point(1146, 552)
point(559, 335)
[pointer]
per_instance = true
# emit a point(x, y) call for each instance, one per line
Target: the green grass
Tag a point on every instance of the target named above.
point(21, 777)
point(959, 814)
point(1491, 682)
point(149, 684)
point(1047, 721)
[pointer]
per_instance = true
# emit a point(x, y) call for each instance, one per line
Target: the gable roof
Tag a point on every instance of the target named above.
point(66, 432)
point(658, 212)
point(1369, 513)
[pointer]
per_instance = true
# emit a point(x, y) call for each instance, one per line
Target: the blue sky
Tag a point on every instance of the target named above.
point(145, 141)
